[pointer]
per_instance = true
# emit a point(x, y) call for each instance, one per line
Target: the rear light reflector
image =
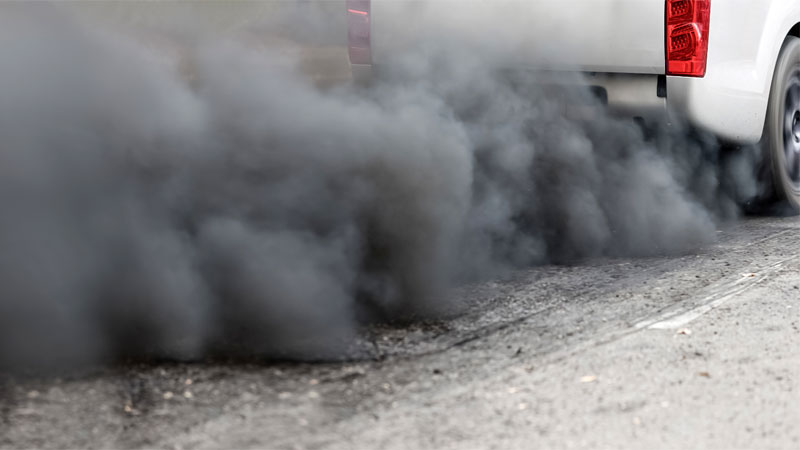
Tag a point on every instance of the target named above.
point(679, 10)
point(687, 27)
point(358, 31)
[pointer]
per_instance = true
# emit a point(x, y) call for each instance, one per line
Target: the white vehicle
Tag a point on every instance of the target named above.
point(731, 67)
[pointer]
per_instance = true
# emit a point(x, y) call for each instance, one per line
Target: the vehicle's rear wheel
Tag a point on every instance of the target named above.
point(781, 142)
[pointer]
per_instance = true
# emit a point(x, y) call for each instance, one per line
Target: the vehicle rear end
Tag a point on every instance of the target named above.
point(625, 48)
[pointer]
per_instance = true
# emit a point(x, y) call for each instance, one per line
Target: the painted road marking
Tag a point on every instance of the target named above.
point(678, 318)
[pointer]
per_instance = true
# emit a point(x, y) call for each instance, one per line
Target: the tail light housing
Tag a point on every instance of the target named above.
point(358, 31)
point(687, 26)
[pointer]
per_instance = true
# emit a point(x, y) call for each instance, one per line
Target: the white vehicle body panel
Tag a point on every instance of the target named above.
point(583, 36)
point(745, 39)
point(609, 37)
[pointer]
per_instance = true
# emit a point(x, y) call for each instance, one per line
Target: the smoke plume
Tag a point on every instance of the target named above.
point(200, 195)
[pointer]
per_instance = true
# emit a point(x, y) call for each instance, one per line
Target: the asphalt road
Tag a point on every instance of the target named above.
point(698, 351)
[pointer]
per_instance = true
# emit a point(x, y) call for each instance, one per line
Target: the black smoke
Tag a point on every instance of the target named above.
point(212, 200)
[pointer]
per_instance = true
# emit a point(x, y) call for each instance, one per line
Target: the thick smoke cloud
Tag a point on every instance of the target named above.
point(219, 203)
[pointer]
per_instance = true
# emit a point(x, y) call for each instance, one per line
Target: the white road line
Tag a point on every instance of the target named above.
point(677, 319)
point(683, 319)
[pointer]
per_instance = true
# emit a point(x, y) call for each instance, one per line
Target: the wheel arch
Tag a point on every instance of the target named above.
point(795, 30)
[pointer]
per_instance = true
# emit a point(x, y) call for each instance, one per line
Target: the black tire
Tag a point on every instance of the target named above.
point(781, 141)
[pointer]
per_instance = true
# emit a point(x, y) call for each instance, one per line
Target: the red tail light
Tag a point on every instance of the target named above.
point(358, 33)
point(687, 25)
